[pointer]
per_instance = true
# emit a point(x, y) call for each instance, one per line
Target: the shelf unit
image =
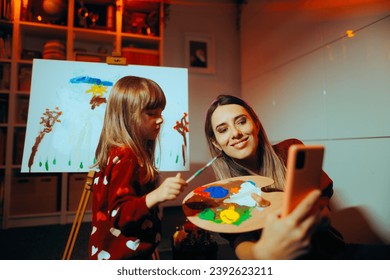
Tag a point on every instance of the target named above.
point(132, 28)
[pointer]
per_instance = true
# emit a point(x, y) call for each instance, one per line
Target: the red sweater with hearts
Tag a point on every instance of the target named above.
point(123, 227)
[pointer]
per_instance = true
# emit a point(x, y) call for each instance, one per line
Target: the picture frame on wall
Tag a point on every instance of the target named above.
point(199, 53)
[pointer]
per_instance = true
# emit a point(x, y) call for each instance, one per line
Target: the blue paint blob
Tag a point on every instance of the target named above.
point(89, 80)
point(253, 183)
point(217, 191)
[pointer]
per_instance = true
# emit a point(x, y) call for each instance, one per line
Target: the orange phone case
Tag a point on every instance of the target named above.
point(304, 168)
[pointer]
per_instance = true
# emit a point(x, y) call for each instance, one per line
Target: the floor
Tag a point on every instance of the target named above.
point(48, 242)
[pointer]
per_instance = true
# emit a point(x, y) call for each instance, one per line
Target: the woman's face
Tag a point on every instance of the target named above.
point(236, 133)
point(151, 121)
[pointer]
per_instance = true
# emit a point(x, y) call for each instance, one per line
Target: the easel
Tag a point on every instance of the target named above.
point(115, 59)
point(79, 215)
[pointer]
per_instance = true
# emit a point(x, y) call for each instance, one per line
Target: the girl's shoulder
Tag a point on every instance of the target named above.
point(123, 152)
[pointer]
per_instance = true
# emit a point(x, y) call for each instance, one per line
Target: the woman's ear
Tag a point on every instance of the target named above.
point(216, 145)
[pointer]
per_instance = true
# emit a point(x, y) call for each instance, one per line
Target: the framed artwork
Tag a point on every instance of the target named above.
point(199, 53)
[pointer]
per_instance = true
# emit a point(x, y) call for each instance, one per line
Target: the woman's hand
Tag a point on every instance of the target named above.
point(288, 237)
point(168, 190)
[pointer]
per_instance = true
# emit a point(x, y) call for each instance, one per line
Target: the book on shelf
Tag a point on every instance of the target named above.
point(3, 140)
point(141, 56)
point(3, 109)
point(90, 57)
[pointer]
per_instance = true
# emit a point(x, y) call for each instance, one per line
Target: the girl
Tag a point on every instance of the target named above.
point(125, 222)
point(233, 127)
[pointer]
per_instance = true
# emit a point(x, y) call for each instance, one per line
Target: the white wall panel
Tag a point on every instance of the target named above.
point(360, 173)
point(307, 80)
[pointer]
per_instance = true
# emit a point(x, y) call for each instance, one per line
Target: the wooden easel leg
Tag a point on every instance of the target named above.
point(156, 255)
point(79, 216)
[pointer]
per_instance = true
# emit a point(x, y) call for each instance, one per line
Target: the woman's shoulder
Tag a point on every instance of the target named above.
point(285, 144)
point(281, 148)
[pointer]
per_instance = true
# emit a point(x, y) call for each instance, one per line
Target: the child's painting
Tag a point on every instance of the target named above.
point(66, 112)
point(227, 205)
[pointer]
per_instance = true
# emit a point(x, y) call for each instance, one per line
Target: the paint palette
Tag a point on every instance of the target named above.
point(227, 206)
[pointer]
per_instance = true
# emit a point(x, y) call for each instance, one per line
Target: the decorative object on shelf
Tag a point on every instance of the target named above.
point(110, 23)
point(190, 242)
point(54, 7)
point(54, 50)
point(141, 21)
point(199, 53)
point(46, 11)
point(93, 16)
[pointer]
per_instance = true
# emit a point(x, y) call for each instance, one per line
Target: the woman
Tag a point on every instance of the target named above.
point(233, 128)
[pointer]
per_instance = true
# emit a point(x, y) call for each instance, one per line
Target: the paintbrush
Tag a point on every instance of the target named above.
point(203, 168)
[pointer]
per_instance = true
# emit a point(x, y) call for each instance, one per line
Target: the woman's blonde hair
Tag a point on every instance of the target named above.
point(270, 163)
point(129, 97)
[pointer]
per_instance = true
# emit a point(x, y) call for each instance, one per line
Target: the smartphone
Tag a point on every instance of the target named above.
point(303, 175)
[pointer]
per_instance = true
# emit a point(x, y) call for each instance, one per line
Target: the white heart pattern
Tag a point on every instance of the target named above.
point(94, 250)
point(94, 229)
point(114, 212)
point(133, 245)
point(115, 160)
point(105, 182)
point(104, 255)
point(96, 180)
point(115, 231)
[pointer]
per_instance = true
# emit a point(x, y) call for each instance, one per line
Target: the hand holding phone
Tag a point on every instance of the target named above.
point(303, 175)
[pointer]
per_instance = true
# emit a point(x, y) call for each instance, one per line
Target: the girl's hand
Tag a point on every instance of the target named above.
point(168, 190)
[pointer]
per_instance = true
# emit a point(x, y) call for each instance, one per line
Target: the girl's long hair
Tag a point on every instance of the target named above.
point(270, 163)
point(129, 97)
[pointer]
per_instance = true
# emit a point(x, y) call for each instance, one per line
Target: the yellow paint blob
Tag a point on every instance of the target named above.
point(229, 215)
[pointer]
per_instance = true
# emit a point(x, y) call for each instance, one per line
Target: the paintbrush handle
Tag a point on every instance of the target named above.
point(201, 170)
point(195, 174)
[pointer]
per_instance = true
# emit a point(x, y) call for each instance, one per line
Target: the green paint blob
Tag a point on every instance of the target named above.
point(207, 214)
point(54, 161)
point(47, 165)
point(177, 158)
point(40, 164)
point(69, 163)
point(245, 214)
point(81, 165)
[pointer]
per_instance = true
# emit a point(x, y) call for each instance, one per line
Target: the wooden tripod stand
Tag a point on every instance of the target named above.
point(79, 215)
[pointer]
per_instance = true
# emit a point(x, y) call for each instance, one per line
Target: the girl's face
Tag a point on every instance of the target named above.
point(151, 121)
point(236, 134)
